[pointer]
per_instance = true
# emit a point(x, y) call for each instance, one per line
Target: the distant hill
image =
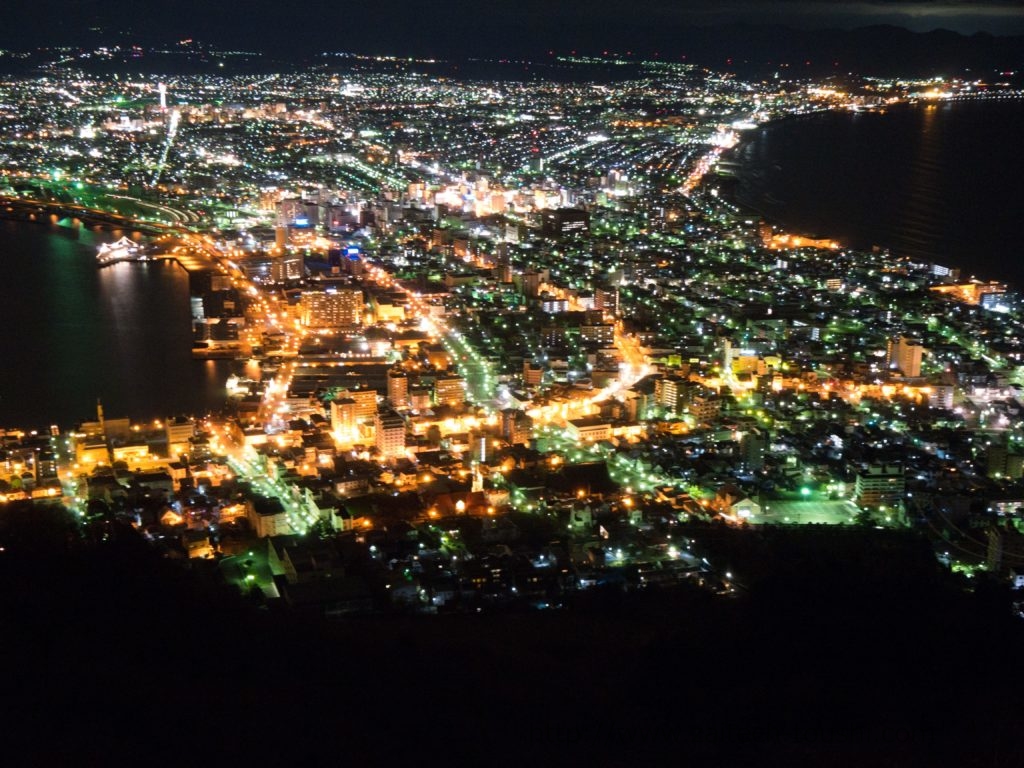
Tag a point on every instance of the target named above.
point(502, 31)
point(876, 50)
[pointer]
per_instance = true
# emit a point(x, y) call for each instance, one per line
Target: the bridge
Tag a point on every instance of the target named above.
point(55, 212)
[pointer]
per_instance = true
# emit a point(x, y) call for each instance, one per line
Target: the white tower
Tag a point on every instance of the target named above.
point(162, 90)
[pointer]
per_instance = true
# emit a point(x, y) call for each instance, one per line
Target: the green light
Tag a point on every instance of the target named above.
point(805, 491)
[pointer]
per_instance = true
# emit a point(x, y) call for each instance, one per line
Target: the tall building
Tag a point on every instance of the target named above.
point(600, 335)
point(365, 400)
point(753, 445)
point(905, 355)
point(390, 436)
point(941, 396)
point(1005, 548)
point(516, 426)
point(606, 299)
point(565, 221)
point(449, 390)
point(345, 419)
point(267, 269)
point(673, 393)
point(533, 374)
point(179, 431)
point(333, 308)
point(398, 389)
point(480, 446)
point(880, 484)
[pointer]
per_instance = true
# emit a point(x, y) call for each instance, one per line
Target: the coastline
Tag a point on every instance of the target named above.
point(120, 334)
point(44, 212)
point(729, 183)
point(922, 239)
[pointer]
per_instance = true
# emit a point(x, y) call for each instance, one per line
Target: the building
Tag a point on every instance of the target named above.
point(516, 426)
point(333, 308)
point(398, 389)
point(1005, 549)
point(705, 408)
point(941, 396)
point(480, 447)
point(267, 516)
point(905, 355)
point(269, 270)
point(590, 430)
point(390, 436)
point(753, 445)
point(565, 221)
point(179, 431)
point(1004, 463)
point(344, 419)
point(879, 484)
point(673, 393)
point(533, 374)
point(365, 400)
point(449, 390)
point(973, 292)
point(601, 335)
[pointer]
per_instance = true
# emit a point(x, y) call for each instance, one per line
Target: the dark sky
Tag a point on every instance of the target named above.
point(501, 27)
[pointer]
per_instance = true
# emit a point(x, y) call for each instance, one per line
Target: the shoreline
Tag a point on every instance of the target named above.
point(34, 211)
point(729, 184)
point(30, 413)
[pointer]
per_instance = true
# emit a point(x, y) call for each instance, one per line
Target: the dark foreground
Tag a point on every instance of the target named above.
point(859, 652)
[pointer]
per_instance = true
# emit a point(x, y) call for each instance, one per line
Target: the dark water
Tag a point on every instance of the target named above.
point(941, 183)
point(73, 333)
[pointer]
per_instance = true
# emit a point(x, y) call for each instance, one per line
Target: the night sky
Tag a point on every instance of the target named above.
point(453, 27)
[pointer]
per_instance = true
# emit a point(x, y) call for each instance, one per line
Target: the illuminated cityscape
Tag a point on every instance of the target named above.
point(511, 347)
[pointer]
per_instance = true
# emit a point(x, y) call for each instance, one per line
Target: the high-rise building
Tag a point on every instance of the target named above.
point(533, 374)
point(565, 221)
point(365, 400)
point(673, 393)
point(390, 437)
point(398, 389)
point(480, 447)
point(753, 445)
point(880, 484)
point(905, 355)
point(178, 430)
point(345, 419)
point(264, 268)
point(1002, 462)
point(449, 390)
point(941, 396)
point(515, 426)
point(600, 335)
point(333, 308)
